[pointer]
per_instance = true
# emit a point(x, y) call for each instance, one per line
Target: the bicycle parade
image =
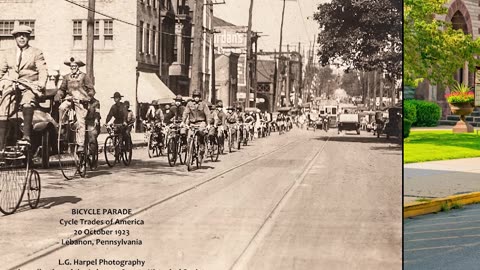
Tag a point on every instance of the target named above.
point(59, 128)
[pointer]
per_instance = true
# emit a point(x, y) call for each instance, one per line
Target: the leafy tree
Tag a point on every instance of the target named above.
point(433, 49)
point(364, 35)
point(351, 83)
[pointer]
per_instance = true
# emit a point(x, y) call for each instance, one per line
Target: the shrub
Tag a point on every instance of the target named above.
point(410, 110)
point(407, 124)
point(428, 113)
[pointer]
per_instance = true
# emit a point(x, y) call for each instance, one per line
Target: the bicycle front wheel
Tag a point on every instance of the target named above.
point(127, 150)
point(13, 183)
point(172, 151)
point(34, 188)
point(182, 150)
point(152, 148)
point(190, 154)
point(110, 150)
point(67, 146)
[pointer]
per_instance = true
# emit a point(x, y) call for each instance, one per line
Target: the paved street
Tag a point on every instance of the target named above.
point(303, 200)
point(443, 241)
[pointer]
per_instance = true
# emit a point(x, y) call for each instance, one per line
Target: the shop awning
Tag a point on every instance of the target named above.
point(150, 87)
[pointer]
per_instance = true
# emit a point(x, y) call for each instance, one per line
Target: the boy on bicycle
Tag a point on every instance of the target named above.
point(77, 89)
point(119, 112)
point(92, 122)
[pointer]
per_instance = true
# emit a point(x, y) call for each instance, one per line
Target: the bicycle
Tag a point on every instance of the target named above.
point(155, 144)
point(90, 154)
point(17, 174)
point(231, 138)
point(118, 145)
point(174, 144)
point(193, 152)
point(212, 145)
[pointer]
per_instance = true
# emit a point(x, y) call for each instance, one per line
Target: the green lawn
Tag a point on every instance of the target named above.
point(440, 145)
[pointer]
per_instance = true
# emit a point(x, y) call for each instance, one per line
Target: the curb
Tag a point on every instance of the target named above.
point(414, 209)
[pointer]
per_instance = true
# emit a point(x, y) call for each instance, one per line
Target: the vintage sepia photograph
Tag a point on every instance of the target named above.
point(217, 134)
point(441, 149)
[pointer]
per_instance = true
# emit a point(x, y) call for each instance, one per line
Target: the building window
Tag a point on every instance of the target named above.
point(77, 34)
point(142, 37)
point(264, 87)
point(108, 33)
point(154, 40)
point(147, 39)
point(175, 48)
point(6, 38)
point(96, 32)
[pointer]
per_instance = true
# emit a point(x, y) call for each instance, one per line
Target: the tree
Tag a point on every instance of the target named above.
point(351, 83)
point(363, 35)
point(433, 49)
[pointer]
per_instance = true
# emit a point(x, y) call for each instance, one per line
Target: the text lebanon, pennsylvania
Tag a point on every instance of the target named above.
point(93, 242)
point(120, 263)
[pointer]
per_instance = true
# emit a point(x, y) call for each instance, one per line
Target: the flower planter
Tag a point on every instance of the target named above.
point(462, 109)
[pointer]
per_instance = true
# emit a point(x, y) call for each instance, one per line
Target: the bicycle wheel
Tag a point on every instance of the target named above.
point(182, 150)
point(67, 146)
point(110, 150)
point(191, 148)
point(172, 151)
point(34, 188)
point(127, 151)
point(199, 156)
point(216, 148)
point(152, 149)
point(13, 182)
point(160, 145)
point(230, 141)
point(239, 138)
point(93, 155)
point(82, 168)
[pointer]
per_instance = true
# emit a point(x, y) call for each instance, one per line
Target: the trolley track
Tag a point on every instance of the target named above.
point(57, 246)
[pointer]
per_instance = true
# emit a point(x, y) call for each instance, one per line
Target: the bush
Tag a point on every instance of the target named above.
point(407, 124)
point(428, 113)
point(410, 110)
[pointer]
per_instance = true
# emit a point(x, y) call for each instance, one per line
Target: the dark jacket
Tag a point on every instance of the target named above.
point(119, 112)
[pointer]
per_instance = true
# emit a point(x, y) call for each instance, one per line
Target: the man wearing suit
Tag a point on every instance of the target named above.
point(26, 63)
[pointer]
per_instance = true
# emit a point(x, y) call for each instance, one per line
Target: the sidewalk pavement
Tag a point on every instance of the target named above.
point(437, 179)
point(138, 139)
point(431, 128)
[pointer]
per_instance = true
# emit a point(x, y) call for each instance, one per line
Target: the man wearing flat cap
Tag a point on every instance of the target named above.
point(27, 63)
point(76, 87)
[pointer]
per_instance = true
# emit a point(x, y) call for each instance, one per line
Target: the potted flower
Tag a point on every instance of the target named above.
point(461, 100)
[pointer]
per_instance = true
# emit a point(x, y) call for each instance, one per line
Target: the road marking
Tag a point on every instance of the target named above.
point(58, 246)
point(446, 230)
point(266, 227)
point(441, 224)
point(443, 238)
point(441, 247)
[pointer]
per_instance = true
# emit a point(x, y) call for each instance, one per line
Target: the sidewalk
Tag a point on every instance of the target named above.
point(138, 139)
point(431, 128)
point(437, 179)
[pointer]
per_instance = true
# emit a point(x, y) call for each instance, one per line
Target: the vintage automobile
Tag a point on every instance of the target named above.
point(349, 121)
point(393, 127)
point(44, 139)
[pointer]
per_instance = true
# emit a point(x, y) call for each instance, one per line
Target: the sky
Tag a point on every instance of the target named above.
point(299, 25)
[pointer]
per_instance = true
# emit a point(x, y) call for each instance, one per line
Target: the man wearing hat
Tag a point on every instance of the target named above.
point(76, 87)
point(117, 111)
point(220, 120)
point(197, 113)
point(26, 63)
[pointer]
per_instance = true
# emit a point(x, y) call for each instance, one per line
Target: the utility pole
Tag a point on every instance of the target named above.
point(196, 81)
point(254, 73)
point(279, 77)
point(90, 32)
point(249, 55)
point(381, 89)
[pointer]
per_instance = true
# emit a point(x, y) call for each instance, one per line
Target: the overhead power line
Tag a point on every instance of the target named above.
point(123, 21)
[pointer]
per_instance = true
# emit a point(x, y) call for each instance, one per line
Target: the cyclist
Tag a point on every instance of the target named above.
point(240, 121)
point(130, 115)
point(281, 121)
point(219, 122)
point(197, 113)
point(92, 122)
point(76, 87)
point(231, 118)
point(119, 112)
point(22, 62)
point(249, 122)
